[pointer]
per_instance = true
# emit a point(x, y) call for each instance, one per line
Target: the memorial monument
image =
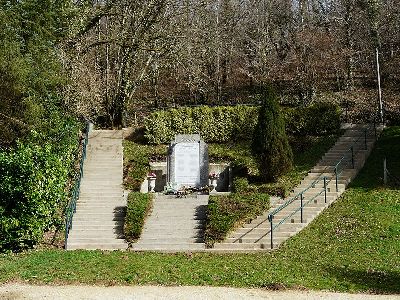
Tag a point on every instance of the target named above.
point(187, 163)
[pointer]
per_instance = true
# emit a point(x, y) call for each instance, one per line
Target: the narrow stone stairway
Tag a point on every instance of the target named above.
point(100, 212)
point(256, 235)
point(175, 224)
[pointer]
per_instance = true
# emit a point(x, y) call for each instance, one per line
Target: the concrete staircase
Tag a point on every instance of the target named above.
point(175, 224)
point(99, 218)
point(256, 236)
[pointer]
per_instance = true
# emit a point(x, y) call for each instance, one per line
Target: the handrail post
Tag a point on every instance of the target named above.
point(336, 177)
point(352, 157)
point(66, 234)
point(325, 187)
point(301, 208)
point(270, 218)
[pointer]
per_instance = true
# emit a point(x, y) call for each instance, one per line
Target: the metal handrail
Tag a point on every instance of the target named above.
point(71, 207)
point(351, 151)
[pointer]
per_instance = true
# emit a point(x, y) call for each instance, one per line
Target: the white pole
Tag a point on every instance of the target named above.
point(378, 73)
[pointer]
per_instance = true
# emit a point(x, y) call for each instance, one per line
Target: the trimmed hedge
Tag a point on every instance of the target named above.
point(216, 124)
point(225, 213)
point(138, 208)
point(227, 123)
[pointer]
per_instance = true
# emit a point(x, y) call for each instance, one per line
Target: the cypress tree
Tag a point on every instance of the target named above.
point(270, 143)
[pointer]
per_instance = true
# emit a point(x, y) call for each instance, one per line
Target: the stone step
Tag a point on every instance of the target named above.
point(98, 240)
point(190, 230)
point(97, 227)
point(96, 246)
point(97, 218)
point(244, 246)
point(94, 213)
point(260, 234)
point(264, 240)
point(109, 236)
point(176, 247)
point(88, 191)
point(267, 226)
point(97, 222)
point(182, 229)
point(95, 206)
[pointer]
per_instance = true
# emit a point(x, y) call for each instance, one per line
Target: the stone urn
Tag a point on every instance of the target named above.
point(213, 181)
point(152, 182)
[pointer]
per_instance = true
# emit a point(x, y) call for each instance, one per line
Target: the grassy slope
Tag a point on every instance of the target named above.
point(353, 246)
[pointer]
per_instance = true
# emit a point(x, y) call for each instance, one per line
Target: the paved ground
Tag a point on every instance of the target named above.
point(18, 291)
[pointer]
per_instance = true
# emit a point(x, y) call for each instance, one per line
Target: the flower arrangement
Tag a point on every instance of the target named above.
point(213, 175)
point(151, 175)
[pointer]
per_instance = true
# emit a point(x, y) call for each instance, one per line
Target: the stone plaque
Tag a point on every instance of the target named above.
point(187, 161)
point(187, 164)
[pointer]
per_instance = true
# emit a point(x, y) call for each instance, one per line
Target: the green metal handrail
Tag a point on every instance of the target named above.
point(71, 207)
point(349, 153)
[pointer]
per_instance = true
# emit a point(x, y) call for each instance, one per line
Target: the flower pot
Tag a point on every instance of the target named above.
point(152, 184)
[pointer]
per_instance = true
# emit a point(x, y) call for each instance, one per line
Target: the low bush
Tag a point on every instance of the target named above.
point(317, 119)
point(240, 185)
point(33, 187)
point(230, 123)
point(225, 213)
point(138, 207)
point(137, 162)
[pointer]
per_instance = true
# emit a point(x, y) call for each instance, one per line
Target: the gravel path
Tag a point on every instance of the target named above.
point(19, 291)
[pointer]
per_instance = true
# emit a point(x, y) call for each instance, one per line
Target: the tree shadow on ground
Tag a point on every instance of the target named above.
point(137, 135)
point(200, 215)
point(119, 219)
point(375, 281)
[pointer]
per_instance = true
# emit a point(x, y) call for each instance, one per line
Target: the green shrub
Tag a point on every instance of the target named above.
point(136, 161)
point(225, 213)
point(317, 119)
point(240, 185)
point(138, 208)
point(230, 123)
point(33, 188)
point(274, 189)
point(270, 143)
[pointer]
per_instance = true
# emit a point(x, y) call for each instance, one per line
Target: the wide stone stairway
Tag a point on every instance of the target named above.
point(99, 218)
point(288, 217)
point(175, 224)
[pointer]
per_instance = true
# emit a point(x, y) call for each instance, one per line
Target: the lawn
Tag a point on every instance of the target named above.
point(353, 246)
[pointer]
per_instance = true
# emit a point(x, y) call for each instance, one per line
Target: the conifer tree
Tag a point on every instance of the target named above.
point(270, 143)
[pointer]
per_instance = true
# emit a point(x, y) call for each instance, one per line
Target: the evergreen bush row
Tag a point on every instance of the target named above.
point(215, 124)
point(227, 123)
point(138, 207)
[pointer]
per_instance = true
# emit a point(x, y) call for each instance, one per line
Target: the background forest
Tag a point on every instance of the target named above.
point(112, 61)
